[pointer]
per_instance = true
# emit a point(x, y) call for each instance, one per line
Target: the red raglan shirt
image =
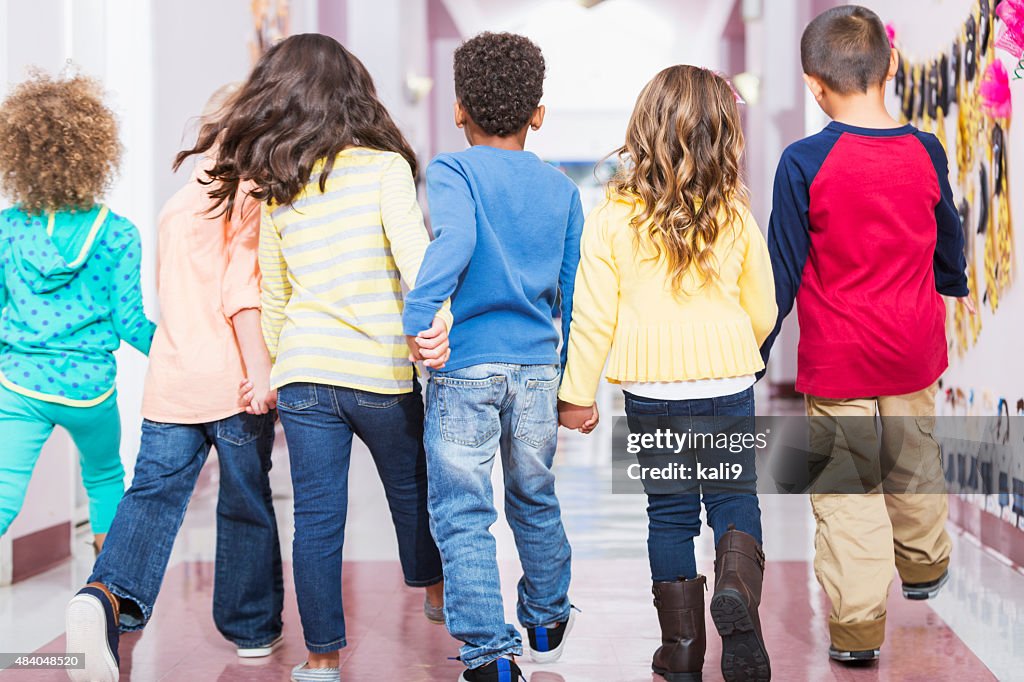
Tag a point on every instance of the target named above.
point(864, 235)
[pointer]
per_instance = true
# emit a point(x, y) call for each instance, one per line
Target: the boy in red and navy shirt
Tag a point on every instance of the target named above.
point(865, 236)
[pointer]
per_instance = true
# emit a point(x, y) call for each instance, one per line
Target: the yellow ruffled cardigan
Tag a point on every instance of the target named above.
point(625, 310)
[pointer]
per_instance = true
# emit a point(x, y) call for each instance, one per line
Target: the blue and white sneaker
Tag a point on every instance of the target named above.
point(546, 642)
point(93, 633)
point(498, 670)
point(301, 673)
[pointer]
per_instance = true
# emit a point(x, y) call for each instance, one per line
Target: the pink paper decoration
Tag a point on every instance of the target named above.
point(890, 31)
point(1011, 37)
point(995, 91)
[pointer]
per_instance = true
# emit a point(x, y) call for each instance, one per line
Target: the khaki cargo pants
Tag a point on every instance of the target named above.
point(860, 537)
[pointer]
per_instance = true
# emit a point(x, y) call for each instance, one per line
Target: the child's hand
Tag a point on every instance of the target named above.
point(968, 305)
point(256, 399)
point(578, 418)
point(430, 346)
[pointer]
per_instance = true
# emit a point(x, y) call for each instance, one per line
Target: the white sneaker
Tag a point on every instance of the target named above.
point(259, 651)
point(93, 634)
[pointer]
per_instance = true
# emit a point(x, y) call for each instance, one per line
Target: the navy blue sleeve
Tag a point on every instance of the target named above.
point(453, 219)
point(789, 238)
point(789, 228)
point(950, 263)
point(570, 263)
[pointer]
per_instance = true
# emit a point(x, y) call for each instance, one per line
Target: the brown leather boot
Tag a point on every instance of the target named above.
point(739, 571)
point(680, 605)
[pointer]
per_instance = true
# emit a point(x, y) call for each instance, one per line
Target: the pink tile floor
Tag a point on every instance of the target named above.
point(613, 640)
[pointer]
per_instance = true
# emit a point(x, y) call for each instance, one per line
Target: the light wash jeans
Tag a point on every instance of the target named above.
point(472, 413)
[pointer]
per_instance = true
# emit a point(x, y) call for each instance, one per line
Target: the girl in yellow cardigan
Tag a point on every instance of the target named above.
point(675, 290)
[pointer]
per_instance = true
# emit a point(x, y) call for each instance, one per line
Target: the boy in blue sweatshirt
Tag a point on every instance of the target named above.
point(507, 231)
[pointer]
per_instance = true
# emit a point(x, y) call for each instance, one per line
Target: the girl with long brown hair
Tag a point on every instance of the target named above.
point(675, 290)
point(340, 230)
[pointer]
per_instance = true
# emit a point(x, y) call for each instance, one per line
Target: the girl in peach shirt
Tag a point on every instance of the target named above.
point(208, 338)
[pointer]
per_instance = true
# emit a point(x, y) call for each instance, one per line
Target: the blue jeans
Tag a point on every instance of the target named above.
point(319, 423)
point(248, 592)
point(674, 518)
point(471, 414)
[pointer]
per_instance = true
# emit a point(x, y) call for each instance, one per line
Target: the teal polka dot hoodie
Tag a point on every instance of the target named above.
point(69, 295)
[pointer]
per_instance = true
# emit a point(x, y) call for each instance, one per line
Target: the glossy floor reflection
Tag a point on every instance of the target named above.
point(614, 636)
point(974, 631)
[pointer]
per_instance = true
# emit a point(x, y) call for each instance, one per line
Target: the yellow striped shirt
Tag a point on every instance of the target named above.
point(332, 266)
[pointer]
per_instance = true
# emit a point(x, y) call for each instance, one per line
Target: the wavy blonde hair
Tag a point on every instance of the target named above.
point(680, 167)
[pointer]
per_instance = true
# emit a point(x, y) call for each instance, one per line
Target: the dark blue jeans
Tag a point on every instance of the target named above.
point(319, 423)
point(248, 592)
point(674, 518)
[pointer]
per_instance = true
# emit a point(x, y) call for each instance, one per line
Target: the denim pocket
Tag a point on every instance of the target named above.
point(241, 429)
point(296, 397)
point(379, 401)
point(538, 422)
point(744, 398)
point(469, 408)
point(657, 408)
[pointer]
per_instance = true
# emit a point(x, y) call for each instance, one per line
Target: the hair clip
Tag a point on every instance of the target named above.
point(735, 92)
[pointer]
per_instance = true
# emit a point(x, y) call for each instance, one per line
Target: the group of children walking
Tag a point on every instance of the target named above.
point(281, 271)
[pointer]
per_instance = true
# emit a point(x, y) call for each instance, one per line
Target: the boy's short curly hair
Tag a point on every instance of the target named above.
point(499, 80)
point(59, 146)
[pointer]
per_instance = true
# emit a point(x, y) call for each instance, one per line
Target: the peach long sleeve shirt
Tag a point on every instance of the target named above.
point(207, 273)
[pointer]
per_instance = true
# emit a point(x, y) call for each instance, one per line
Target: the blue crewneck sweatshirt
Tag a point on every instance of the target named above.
point(506, 243)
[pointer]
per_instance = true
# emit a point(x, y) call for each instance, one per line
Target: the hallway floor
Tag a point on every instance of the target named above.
point(973, 631)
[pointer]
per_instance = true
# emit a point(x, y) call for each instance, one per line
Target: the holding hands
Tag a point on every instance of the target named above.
point(430, 346)
point(578, 418)
point(257, 398)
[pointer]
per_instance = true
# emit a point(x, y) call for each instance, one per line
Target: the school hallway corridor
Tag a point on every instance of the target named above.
point(973, 631)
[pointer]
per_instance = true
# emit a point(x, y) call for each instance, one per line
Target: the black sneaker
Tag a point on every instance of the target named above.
point(922, 591)
point(854, 657)
point(498, 670)
point(93, 633)
point(546, 643)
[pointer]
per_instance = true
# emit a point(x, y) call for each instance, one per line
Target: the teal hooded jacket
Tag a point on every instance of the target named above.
point(69, 295)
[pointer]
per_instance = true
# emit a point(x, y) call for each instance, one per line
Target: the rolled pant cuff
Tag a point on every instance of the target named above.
point(424, 583)
point(860, 636)
point(129, 621)
point(328, 648)
point(544, 622)
point(252, 643)
point(484, 659)
point(914, 573)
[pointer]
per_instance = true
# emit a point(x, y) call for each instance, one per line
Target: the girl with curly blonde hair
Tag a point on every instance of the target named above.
point(69, 289)
point(675, 289)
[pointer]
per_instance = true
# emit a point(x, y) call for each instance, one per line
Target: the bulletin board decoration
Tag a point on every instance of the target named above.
point(1011, 33)
point(972, 79)
point(981, 451)
point(271, 23)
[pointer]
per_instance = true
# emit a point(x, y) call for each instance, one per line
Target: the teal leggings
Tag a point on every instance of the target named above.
point(26, 424)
